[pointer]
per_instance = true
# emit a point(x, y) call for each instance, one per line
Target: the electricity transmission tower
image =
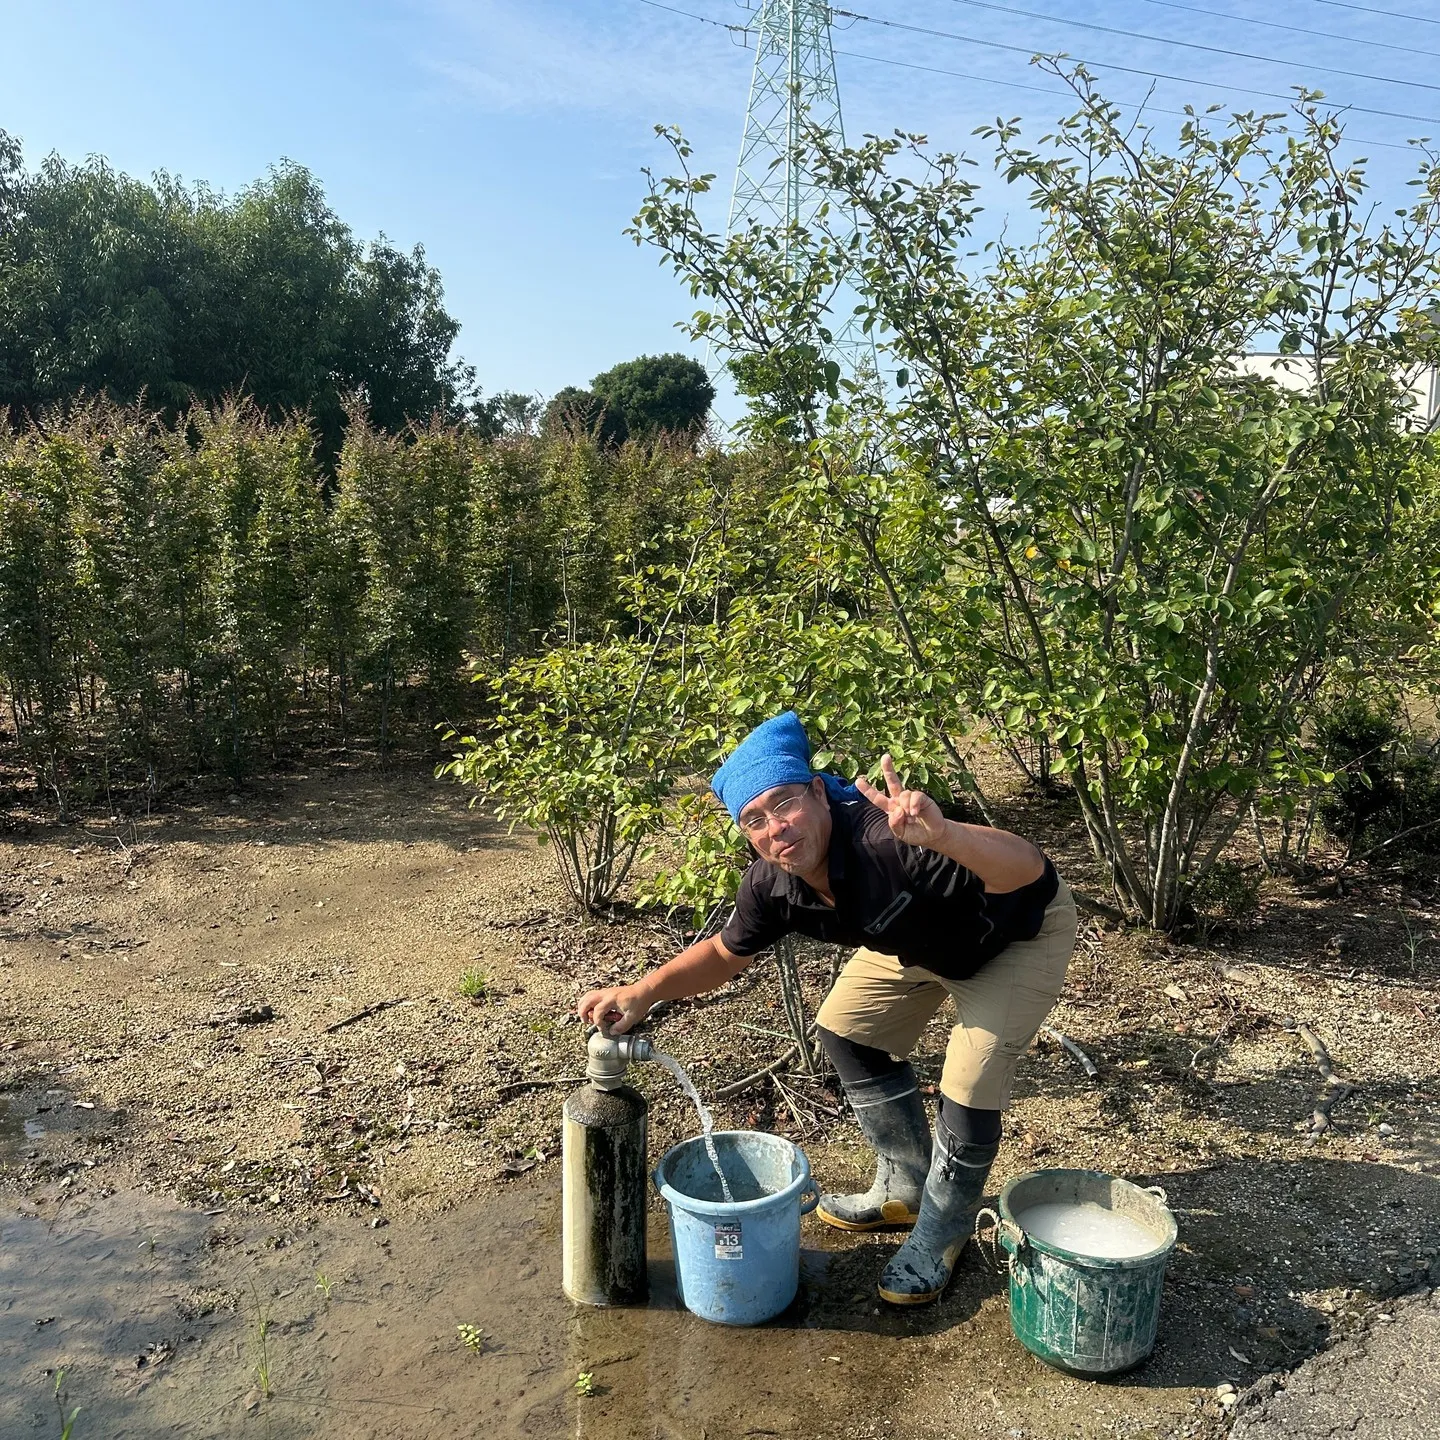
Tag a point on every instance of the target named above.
point(793, 88)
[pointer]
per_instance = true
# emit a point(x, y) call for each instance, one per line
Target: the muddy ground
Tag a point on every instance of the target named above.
point(249, 1123)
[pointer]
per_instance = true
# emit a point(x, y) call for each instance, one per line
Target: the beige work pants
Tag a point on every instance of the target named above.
point(877, 1001)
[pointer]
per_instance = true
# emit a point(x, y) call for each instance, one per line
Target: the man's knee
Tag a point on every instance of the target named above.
point(853, 1061)
point(970, 1124)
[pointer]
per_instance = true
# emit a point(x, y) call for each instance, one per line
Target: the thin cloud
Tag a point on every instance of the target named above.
point(615, 59)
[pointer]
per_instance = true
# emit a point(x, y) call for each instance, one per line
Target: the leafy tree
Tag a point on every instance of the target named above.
point(397, 340)
point(578, 494)
point(262, 485)
point(1387, 792)
point(177, 293)
point(181, 584)
point(89, 285)
point(128, 649)
point(1084, 531)
point(505, 414)
point(575, 752)
point(405, 506)
point(517, 583)
point(265, 302)
point(581, 413)
point(657, 394)
point(38, 620)
point(586, 742)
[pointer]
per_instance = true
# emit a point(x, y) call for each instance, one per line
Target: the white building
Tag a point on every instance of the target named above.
point(1294, 373)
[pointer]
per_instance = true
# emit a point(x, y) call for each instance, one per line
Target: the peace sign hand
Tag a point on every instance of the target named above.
point(915, 818)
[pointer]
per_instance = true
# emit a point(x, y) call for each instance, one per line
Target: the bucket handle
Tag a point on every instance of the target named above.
point(1158, 1193)
point(1003, 1234)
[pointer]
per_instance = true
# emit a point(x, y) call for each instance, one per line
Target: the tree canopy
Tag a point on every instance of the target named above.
point(578, 412)
point(112, 286)
point(1075, 528)
point(639, 399)
point(506, 413)
point(656, 393)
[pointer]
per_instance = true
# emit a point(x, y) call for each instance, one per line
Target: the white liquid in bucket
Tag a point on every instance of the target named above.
point(1088, 1230)
point(707, 1120)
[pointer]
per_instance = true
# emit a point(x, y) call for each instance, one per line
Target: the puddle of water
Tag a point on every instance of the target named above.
point(86, 1291)
point(29, 1115)
point(12, 1130)
point(153, 1312)
point(16, 1129)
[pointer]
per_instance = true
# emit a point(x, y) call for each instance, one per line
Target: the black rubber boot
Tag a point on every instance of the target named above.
point(921, 1269)
point(892, 1116)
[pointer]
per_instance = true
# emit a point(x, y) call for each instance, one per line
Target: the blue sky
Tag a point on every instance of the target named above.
point(507, 136)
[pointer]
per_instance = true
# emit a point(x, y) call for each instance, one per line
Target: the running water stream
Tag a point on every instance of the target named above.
point(707, 1120)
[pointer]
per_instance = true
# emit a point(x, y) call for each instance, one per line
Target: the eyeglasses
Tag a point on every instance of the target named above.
point(759, 821)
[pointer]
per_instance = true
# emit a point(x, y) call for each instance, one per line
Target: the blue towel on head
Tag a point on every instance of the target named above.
point(775, 753)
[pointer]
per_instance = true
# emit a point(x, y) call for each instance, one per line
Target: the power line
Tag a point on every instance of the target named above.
point(1065, 94)
point(1294, 29)
point(691, 15)
point(1125, 69)
point(1190, 44)
point(1371, 10)
point(1027, 51)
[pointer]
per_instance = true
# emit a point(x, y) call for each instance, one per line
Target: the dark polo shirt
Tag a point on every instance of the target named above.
point(902, 900)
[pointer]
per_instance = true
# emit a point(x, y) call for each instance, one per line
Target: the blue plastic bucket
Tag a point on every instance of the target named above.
point(737, 1262)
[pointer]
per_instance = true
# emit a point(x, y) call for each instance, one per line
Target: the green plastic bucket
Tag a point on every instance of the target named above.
point(1085, 1314)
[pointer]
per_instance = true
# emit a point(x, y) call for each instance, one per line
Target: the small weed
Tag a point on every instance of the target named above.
point(261, 1333)
point(585, 1383)
point(67, 1424)
point(472, 1337)
point(542, 1026)
point(475, 985)
point(1414, 942)
point(322, 1284)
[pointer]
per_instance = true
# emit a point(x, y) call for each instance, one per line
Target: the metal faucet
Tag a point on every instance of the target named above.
point(609, 1056)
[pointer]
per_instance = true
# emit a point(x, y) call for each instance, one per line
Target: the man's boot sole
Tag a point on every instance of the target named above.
point(895, 1298)
point(905, 1222)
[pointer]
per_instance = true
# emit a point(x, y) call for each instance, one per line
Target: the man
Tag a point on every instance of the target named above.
point(936, 908)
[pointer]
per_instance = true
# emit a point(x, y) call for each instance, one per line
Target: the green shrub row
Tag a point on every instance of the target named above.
point(173, 595)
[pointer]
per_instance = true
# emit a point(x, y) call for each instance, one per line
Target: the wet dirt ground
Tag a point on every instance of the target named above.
point(238, 1072)
point(155, 1315)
